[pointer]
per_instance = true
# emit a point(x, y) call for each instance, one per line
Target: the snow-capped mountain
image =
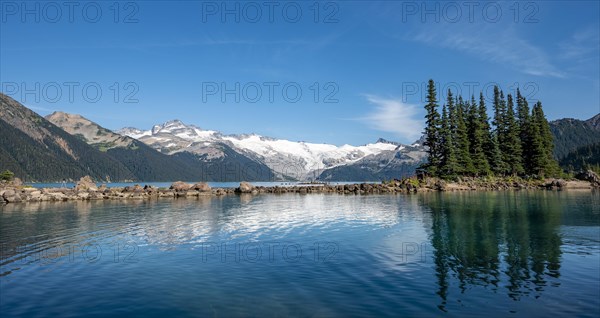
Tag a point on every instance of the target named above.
point(287, 159)
point(133, 132)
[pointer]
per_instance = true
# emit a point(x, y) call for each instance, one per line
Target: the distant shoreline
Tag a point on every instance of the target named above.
point(213, 184)
point(85, 189)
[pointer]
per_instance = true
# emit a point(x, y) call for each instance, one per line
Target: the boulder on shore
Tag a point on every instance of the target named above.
point(590, 176)
point(86, 184)
point(11, 196)
point(554, 183)
point(16, 182)
point(440, 185)
point(202, 187)
point(180, 186)
point(244, 187)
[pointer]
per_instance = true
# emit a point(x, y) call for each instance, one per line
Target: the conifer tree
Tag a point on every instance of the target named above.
point(524, 118)
point(545, 160)
point(491, 149)
point(499, 110)
point(476, 136)
point(432, 129)
point(511, 147)
point(539, 159)
point(500, 130)
point(462, 140)
point(452, 101)
point(449, 166)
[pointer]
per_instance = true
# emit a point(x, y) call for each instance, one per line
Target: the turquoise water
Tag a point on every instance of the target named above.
point(516, 254)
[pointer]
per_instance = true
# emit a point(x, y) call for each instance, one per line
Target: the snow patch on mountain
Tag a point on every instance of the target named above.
point(133, 132)
point(291, 159)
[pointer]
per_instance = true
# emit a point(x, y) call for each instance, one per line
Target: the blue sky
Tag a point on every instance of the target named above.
point(369, 60)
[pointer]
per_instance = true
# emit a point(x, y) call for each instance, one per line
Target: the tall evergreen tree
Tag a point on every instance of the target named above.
point(539, 158)
point(462, 140)
point(524, 118)
point(511, 146)
point(490, 143)
point(476, 132)
point(449, 165)
point(432, 122)
point(499, 109)
point(549, 165)
point(452, 101)
point(501, 129)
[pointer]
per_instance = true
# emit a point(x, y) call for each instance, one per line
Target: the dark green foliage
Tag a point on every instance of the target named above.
point(230, 168)
point(570, 134)
point(476, 132)
point(432, 123)
point(148, 164)
point(497, 165)
point(583, 158)
point(519, 144)
point(449, 165)
point(462, 142)
point(511, 151)
point(500, 131)
point(542, 160)
point(47, 160)
point(472, 241)
point(492, 152)
point(499, 109)
point(523, 121)
point(6, 175)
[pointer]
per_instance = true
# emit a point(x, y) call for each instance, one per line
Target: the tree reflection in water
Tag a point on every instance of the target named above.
point(508, 241)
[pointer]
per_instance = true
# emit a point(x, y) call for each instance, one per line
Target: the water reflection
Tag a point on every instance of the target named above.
point(476, 241)
point(31, 229)
point(534, 253)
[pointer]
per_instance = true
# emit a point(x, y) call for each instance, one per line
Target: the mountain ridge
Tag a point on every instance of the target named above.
point(174, 150)
point(571, 134)
point(145, 162)
point(298, 160)
point(40, 150)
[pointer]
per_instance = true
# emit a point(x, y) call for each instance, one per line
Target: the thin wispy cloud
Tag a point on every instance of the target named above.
point(496, 43)
point(394, 116)
point(583, 44)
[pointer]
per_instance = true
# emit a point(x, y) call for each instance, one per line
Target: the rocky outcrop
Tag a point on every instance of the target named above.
point(590, 176)
point(16, 182)
point(245, 187)
point(555, 184)
point(86, 190)
point(86, 184)
point(201, 187)
point(11, 196)
point(180, 186)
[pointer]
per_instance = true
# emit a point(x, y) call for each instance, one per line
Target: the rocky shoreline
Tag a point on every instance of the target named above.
point(86, 189)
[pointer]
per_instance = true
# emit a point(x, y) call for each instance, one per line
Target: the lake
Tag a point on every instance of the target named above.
point(497, 254)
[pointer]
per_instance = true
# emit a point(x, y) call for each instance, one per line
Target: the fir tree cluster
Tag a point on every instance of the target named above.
point(462, 142)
